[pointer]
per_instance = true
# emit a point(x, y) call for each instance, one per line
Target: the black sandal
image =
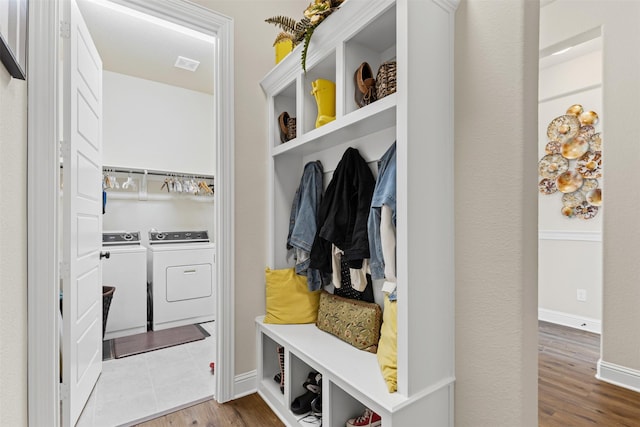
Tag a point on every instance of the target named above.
point(313, 382)
point(302, 404)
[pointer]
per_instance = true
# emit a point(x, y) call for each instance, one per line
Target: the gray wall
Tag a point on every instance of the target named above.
point(496, 104)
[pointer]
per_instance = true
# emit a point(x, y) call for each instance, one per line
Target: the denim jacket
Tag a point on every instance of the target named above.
point(383, 194)
point(303, 221)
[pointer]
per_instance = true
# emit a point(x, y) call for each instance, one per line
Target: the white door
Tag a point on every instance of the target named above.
point(82, 214)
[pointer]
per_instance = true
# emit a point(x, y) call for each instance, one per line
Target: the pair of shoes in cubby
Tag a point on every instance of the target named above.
point(311, 400)
point(369, 88)
point(365, 85)
point(287, 127)
point(368, 419)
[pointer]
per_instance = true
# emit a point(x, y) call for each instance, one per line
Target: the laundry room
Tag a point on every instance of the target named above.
point(158, 184)
point(158, 152)
point(166, 131)
point(158, 252)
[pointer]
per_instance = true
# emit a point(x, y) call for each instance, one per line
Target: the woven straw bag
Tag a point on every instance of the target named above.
point(386, 79)
point(291, 128)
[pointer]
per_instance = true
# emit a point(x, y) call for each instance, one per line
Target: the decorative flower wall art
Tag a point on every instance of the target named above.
point(572, 164)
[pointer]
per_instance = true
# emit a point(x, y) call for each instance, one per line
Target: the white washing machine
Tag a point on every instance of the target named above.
point(126, 270)
point(182, 276)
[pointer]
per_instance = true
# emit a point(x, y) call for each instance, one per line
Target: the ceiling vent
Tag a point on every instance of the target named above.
point(186, 63)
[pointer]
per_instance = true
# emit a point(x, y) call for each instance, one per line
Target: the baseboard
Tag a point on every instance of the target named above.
point(570, 320)
point(618, 375)
point(245, 384)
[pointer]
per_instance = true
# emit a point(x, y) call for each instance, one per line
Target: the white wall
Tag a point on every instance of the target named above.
point(570, 249)
point(151, 125)
point(496, 76)
point(561, 20)
point(13, 250)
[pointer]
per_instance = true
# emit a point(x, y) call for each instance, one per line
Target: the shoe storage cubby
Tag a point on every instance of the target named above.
point(374, 45)
point(284, 101)
point(418, 35)
point(271, 367)
point(299, 372)
point(323, 69)
point(343, 406)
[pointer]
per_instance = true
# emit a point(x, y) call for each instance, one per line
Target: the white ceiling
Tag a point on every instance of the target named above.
point(133, 46)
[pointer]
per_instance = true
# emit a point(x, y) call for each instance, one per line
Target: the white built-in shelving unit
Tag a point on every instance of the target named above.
point(418, 34)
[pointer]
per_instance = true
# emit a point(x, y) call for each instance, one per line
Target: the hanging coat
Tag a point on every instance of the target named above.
point(344, 210)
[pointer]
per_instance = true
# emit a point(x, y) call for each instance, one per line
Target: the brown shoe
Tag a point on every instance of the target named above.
point(365, 92)
point(283, 121)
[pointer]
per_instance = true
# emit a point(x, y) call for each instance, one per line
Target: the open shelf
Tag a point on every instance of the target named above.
point(369, 119)
point(375, 44)
point(324, 69)
point(284, 101)
point(343, 406)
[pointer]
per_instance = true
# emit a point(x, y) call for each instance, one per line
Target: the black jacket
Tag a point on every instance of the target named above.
point(344, 210)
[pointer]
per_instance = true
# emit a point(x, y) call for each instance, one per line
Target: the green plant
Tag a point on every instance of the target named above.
point(301, 31)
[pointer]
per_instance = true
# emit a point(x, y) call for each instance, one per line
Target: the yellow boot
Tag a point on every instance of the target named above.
point(325, 93)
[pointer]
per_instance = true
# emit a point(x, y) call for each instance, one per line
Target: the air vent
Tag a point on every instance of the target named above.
point(186, 63)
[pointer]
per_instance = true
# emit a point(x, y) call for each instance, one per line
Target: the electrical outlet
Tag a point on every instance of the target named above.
point(581, 295)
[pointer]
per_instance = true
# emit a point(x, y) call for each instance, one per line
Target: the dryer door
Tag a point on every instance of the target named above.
point(189, 282)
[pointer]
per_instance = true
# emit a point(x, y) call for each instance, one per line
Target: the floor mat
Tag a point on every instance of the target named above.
point(152, 340)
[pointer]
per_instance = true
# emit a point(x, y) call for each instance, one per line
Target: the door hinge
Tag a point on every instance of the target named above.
point(65, 150)
point(64, 391)
point(64, 269)
point(65, 29)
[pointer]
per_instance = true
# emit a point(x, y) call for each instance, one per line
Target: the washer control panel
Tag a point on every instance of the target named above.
point(121, 238)
point(164, 237)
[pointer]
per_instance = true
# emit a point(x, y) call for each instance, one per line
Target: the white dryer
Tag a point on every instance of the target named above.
point(126, 270)
point(182, 276)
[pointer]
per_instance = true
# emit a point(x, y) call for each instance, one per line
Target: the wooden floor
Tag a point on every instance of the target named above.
point(569, 395)
point(568, 392)
point(249, 411)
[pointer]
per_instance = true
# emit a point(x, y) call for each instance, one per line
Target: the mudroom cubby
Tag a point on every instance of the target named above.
point(418, 35)
point(284, 101)
point(343, 406)
point(323, 69)
point(375, 44)
point(270, 368)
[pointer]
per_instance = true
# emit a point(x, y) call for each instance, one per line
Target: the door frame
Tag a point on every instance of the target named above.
point(43, 169)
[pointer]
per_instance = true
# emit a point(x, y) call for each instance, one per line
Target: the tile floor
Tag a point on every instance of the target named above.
point(135, 387)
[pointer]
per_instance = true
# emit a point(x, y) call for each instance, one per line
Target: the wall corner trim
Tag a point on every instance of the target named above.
point(618, 375)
